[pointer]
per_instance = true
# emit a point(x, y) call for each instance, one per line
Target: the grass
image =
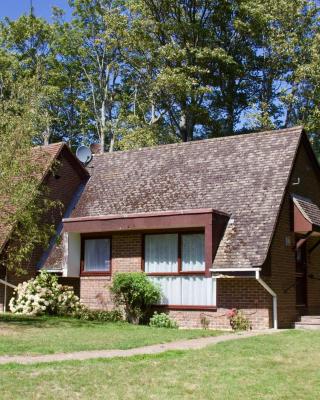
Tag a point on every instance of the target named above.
point(47, 335)
point(276, 367)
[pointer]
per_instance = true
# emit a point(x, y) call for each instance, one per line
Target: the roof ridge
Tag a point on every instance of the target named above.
point(200, 141)
point(44, 146)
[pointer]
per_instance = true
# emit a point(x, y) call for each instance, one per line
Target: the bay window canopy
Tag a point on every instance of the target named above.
point(189, 245)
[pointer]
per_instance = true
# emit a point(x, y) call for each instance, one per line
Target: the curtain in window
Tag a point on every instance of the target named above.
point(193, 252)
point(97, 255)
point(186, 290)
point(161, 253)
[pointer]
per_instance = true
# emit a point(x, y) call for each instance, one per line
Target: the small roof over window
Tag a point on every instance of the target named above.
point(306, 215)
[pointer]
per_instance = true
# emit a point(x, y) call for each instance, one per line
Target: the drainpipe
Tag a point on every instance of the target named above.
point(274, 299)
point(262, 283)
point(5, 293)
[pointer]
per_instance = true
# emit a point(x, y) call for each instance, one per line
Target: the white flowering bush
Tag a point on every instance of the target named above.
point(44, 295)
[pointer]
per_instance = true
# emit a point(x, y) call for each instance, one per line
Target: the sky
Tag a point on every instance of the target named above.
point(14, 8)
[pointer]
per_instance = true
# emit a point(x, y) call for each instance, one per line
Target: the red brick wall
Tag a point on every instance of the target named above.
point(126, 257)
point(283, 256)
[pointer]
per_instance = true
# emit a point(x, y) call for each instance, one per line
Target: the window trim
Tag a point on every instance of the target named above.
point(179, 272)
point(178, 307)
point(94, 273)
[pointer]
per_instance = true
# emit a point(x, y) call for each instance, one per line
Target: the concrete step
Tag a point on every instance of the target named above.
point(312, 319)
point(307, 325)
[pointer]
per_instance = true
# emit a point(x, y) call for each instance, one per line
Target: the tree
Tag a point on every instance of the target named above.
point(87, 45)
point(194, 63)
point(132, 73)
point(288, 31)
point(29, 40)
point(23, 201)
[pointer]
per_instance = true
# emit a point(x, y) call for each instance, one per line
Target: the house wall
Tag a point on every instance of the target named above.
point(126, 257)
point(243, 293)
point(61, 189)
point(283, 262)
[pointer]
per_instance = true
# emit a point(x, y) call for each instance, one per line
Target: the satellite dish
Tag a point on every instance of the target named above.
point(84, 154)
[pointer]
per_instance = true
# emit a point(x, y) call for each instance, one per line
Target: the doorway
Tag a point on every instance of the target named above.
point(301, 276)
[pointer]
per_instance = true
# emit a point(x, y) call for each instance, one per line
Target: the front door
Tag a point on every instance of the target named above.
point(301, 276)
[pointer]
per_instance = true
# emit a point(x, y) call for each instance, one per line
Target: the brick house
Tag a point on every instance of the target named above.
point(65, 178)
point(221, 223)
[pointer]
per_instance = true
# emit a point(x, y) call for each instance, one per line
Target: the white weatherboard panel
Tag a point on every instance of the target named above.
point(72, 248)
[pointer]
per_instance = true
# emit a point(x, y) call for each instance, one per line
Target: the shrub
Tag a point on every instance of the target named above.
point(136, 293)
point(162, 320)
point(44, 295)
point(93, 315)
point(238, 321)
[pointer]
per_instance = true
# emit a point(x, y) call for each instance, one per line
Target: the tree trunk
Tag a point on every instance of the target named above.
point(111, 147)
point(103, 127)
point(46, 136)
point(183, 127)
point(230, 119)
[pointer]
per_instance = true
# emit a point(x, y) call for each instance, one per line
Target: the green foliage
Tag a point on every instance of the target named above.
point(44, 295)
point(85, 314)
point(162, 320)
point(30, 41)
point(238, 321)
point(138, 73)
point(136, 293)
point(23, 201)
point(133, 73)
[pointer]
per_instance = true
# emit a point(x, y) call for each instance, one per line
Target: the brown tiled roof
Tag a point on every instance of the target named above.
point(243, 175)
point(55, 259)
point(44, 157)
point(308, 209)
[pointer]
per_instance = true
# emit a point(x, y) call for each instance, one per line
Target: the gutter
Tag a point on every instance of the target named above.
point(262, 283)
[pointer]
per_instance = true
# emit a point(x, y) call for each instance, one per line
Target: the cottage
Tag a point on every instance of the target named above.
point(221, 223)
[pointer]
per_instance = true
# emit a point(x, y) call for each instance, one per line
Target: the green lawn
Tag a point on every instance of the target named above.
point(281, 366)
point(275, 367)
point(45, 335)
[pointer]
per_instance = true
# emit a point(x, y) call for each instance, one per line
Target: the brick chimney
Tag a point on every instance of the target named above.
point(95, 148)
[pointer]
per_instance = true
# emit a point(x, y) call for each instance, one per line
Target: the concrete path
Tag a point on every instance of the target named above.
point(191, 344)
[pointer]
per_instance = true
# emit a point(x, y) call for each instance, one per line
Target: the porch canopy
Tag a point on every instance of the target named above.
point(306, 217)
point(211, 221)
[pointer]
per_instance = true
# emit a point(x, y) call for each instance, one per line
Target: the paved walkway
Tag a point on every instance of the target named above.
point(191, 344)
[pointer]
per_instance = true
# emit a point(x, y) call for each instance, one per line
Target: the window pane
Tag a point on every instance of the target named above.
point(193, 252)
point(97, 255)
point(161, 253)
point(186, 290)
